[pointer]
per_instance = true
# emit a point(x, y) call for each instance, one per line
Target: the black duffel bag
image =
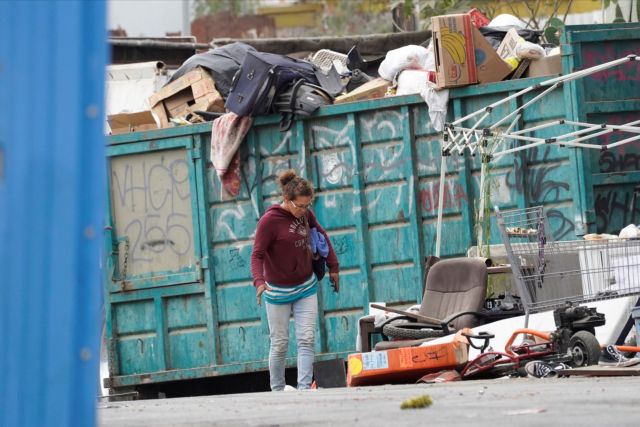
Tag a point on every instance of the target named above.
point(261, 78)
point(222, 63)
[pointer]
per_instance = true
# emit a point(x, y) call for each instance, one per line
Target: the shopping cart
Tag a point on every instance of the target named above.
point(548, 273)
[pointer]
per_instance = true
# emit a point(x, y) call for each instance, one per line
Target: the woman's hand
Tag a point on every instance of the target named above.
point(334, 278)
point(259, 290)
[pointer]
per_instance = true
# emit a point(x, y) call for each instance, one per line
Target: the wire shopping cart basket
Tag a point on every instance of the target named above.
point(550, 273)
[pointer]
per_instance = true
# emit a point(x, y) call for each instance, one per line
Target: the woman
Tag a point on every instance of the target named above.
point(282, 272)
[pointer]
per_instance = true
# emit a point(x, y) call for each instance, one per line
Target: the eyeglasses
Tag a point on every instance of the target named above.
point(301, 207)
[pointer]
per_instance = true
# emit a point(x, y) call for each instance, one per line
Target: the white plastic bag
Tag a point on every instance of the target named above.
point(528, 50)
point(412, 81)
point(630, 232)
point(405, 58)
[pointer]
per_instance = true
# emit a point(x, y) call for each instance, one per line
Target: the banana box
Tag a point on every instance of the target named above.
point(408, 364)
point(490, 67)
point(454, 50)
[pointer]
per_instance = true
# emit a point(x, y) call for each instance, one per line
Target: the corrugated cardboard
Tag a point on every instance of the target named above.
point(546, 66)
point(509, 44)
point(489, 65)
point(131, 122)
point(375, 88)
point(406, 364)
point(454, 50)
point(195, 91)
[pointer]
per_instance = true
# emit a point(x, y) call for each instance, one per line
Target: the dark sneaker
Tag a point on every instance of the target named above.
point(610, 356)
point(539, 369)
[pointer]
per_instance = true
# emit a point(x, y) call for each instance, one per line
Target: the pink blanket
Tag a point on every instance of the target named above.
point(227, 134)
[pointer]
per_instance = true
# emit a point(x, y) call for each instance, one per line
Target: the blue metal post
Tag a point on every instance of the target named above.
point(52, 59)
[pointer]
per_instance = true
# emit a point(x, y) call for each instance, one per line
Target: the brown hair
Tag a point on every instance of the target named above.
point(293, 186)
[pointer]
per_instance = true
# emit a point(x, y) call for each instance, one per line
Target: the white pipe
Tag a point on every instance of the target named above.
point(624, 141)
point(542, 126)
point(443, 166)
point(522, 107)
point(514, 150)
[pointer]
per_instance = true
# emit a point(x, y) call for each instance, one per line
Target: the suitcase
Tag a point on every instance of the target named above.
point(261, 78)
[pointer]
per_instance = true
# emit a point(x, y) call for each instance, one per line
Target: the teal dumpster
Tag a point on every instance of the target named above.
point(179, 299)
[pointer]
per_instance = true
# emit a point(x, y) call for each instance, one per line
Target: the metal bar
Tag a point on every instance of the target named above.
point(501, 139)
point(495, 104)
point(443, 167)
point(551, 82)
point(515, 150)
point(474, 127)
point(534, 128)
point(622, 142)
point(210, 293)
point(362, 218)
point(298, 135)
point(480, 225)
point(522, 107)
point(415, 214)
point(578, 132)
point(577, 145)
point(628, 127)
point(158, 44)
point(161, 334)
point(587, 71)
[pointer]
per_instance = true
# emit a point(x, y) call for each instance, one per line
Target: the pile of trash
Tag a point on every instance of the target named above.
point(465, 49)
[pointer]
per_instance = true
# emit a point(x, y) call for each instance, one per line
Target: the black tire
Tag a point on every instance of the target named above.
point(410, 331)
point(584, 348)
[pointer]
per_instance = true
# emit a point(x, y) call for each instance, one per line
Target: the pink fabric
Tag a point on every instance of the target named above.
point(227, 133)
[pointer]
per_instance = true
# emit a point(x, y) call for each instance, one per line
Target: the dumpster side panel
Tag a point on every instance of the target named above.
point(613, 97)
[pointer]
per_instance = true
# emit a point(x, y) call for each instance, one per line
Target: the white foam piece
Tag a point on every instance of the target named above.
point(616, 311)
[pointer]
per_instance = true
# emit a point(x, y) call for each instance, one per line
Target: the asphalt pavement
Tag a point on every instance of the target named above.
point(503, 402)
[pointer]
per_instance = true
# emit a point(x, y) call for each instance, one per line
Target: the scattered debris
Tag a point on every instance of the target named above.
point(525, 411)
point(418, 402)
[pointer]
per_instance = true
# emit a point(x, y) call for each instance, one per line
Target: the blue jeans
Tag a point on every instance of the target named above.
point(305, 314)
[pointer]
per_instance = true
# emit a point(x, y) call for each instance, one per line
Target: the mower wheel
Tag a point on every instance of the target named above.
point(584, 348)
point(410, 331)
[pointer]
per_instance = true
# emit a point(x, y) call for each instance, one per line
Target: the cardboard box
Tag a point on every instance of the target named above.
point(406, 364)
point(131, 122)
point(195, 91)
point(489, 65)
point(373, 89)
point(509, 44)
point(454, 50)
point(547, 66)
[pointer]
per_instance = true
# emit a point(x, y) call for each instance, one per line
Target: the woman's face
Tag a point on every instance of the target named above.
point(299, 206)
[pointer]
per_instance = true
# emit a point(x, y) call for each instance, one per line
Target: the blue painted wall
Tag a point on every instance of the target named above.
point(52, 59)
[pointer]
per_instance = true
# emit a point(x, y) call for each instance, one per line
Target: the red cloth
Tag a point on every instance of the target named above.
point(227, 133)
point(280, 255)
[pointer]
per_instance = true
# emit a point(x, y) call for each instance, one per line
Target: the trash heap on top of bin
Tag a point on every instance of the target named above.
point(464, 49)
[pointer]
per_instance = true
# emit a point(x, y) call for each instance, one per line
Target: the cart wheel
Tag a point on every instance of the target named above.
point(584, 348)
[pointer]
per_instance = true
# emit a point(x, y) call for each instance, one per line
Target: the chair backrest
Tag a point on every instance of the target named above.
point(455, 285)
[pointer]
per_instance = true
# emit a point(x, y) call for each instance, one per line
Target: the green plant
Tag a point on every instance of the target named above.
point(210, 7)
point(431, 8)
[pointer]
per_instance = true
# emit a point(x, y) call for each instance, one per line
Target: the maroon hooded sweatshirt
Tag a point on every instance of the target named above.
point(280, 255)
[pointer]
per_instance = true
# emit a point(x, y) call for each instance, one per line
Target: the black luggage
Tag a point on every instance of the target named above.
point(261, 78)
point(222, 62)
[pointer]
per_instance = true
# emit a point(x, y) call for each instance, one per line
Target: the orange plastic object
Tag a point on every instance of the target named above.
point(407, 364)
point(543, 335)
point(628, 348)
